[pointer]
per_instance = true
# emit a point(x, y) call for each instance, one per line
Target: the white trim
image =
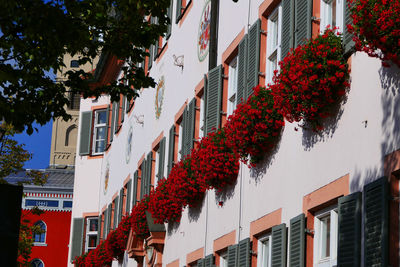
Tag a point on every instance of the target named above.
point(273, 53)
point(330, 260)
point(262, 242)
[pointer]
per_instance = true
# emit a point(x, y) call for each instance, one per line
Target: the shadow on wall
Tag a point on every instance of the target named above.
point(390, 82)
point(310, 137)
point(390, 142)
point(259, 171)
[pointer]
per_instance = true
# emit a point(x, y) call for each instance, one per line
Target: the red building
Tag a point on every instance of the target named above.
point(55, 199)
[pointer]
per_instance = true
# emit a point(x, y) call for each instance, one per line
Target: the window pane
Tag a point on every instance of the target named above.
point(100, 133)
point(92, 241)
point(93, 225)
point(265, 253)
point(99, 146)
point(101, 117)
point(325, 236)
point(333, 13)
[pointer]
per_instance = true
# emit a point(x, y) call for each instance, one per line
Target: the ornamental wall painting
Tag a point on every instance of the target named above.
point(129, 145)
point(203, 39)
point(159, 96)
point(106, 178)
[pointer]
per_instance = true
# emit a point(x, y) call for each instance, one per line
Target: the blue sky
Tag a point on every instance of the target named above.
point(38, 144)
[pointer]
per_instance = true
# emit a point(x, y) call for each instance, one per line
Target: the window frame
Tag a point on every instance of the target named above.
point(232, 85)
point(93, 145)
point(331, 260)
point(90, 233)
point(37, 260)
point(40, 243)
point(260, 249)
point(273, 54)
point(324, 21)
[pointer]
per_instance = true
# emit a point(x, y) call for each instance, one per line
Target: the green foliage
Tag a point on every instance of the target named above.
point(35, 35)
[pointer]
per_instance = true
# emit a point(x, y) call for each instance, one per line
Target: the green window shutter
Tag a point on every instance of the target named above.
point(347, 36)
point(232, 255)
point(151, 56)
point(104, 235)
point(116, 209)
point(278, 247)
point(178, 10)
point(242, 70)
point(77, 237)
point(107, 124)
point(171, 146)
point(127, 105)
point(169, 14)
point(184, 125)
point(214, 98)
point(112, 128)
point(303, 15)
point(143, 179)
point(109, 226)
point(161, 159)
point(205, 105)
point(349, 230)
point(244, 253)
point(376, 220)
point(156, 49)
point(123, 109)
point(191, 119)
point(128, 197)
point(209, 261)
point(120, 204)
point(253, 57)
point(287, 27)
point(98, 230)
point(117, 116)
point(134, 188)
point(200, 263)
point(149, 172)
point(86, 133)
point(297, 241)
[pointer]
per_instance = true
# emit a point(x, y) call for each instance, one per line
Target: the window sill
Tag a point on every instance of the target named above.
point(185, 11)
point(39, 244)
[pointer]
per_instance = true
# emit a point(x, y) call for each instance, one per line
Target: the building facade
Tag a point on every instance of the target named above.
point(50, 248)
point(293, 207)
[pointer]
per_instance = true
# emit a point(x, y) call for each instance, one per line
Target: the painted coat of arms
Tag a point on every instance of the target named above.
point(204, 32)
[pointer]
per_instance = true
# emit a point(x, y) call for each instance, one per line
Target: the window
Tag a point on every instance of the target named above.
point(40, 236)
point(74, 100)
point(325, 238)
point(91, 233)
point(274, 42)
point(74, 64)
point(37, 263)
point(223, 260)
point(332, 14)
point(181, 6)
point(264, 251)
point(99, 131)
point(201, 121)
point(232, 85)
point(180, 140)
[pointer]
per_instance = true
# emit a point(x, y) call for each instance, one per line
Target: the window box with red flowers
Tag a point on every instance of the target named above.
point(376, 26)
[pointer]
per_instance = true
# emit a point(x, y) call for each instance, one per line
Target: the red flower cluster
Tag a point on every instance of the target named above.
point(312, 77)
point(138, 218)
point(116, 240)
point(99, 257)
point(163, 206)
point(254, 126)
point(376, 26)
point(217, 163)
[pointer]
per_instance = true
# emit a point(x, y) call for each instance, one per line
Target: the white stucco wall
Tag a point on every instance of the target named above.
point(366, 131)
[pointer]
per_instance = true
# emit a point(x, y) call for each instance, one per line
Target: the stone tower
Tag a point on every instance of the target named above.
point(64, 133)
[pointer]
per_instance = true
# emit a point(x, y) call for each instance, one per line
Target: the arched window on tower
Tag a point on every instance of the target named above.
point(40, 238)
point(71, 135)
